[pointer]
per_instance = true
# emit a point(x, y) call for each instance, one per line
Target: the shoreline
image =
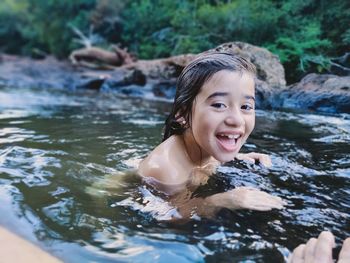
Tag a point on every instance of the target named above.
point(316, 93)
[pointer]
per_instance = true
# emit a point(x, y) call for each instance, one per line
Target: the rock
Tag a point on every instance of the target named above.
point(92, 80)
point(264, 95)
point(162, 69)
point(322, 93)
point(269, 68)
point(111, 80)
point(270, 71)
point(121, 78)
point(161, 74)
point(136, 77)
point(164, 89)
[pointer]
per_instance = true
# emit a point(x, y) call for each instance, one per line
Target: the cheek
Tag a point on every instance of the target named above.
point(250, 122)
point(202, 126)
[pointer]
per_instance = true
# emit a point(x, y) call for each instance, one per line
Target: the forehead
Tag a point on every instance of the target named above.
point(229, 81)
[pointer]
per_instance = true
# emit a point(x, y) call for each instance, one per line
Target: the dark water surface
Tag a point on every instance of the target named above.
point(63, 159)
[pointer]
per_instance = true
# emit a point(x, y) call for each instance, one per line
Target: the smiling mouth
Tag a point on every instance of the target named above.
point(228, 141)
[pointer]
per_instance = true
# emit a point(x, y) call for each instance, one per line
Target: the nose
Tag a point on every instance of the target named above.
point(234, 118)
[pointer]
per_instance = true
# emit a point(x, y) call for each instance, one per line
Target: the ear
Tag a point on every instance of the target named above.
point(180, 119)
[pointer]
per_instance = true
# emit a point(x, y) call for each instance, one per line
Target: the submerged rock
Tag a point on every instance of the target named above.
point(322, 93)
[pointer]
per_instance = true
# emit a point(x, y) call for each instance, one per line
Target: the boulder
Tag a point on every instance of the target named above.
point(122, 78)
point(269, 68)
point(270, 72)
point(317, 92)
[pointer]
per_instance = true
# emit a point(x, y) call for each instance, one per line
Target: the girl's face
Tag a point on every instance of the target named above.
point(223, 114)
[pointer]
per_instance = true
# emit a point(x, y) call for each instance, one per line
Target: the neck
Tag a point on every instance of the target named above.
point(196, 155)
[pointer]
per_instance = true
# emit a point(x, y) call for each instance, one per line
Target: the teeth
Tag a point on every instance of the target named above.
point(231, 136)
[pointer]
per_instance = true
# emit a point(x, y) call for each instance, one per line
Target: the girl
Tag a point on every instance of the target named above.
point(212, 116)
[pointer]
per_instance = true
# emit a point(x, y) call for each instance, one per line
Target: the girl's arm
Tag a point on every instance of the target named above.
point(239, 198)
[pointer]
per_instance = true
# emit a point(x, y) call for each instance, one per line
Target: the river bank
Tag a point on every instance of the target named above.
point(156, 79)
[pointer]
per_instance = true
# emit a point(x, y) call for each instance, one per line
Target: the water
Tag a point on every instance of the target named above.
point(63, 156)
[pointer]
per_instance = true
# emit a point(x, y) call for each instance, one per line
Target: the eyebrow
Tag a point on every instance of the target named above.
point(223, 94)
point(218, 94)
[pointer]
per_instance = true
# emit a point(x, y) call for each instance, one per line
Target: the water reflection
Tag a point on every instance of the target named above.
point(63, 159)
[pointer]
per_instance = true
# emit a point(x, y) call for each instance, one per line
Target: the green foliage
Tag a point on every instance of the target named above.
point(163, 28)
point(43, 24)
point(301, 49)
point(346, 37)
point(11, 21)
point(335, 20)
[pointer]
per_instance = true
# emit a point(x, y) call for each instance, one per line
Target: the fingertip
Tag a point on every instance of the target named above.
point(323, 249)
point(344, 255)
point(278, 198)
point(311, 240)
point(326, 233)
point(347, 242)
point(328, 237)
point(298, 253)
point(278, 206)
point(300, 247)
point(281, 202)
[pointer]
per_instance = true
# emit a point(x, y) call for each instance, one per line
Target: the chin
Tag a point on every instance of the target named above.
point(227, 158)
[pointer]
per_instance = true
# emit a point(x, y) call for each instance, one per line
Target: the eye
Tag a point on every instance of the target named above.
point(219, 105)
point(247, 107)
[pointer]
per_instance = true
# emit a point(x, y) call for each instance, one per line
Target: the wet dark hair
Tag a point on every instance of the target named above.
point(192, 78)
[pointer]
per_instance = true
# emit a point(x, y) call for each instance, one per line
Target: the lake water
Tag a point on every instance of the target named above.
point(63, 156)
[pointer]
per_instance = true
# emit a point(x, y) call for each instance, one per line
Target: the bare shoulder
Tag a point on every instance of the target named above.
point(165, 164)
point(161, 169)
point(153, 166)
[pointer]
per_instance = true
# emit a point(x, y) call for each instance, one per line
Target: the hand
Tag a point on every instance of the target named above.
point(254, 199)
point(264, 159)
point(344, 255)
point(320, 250)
